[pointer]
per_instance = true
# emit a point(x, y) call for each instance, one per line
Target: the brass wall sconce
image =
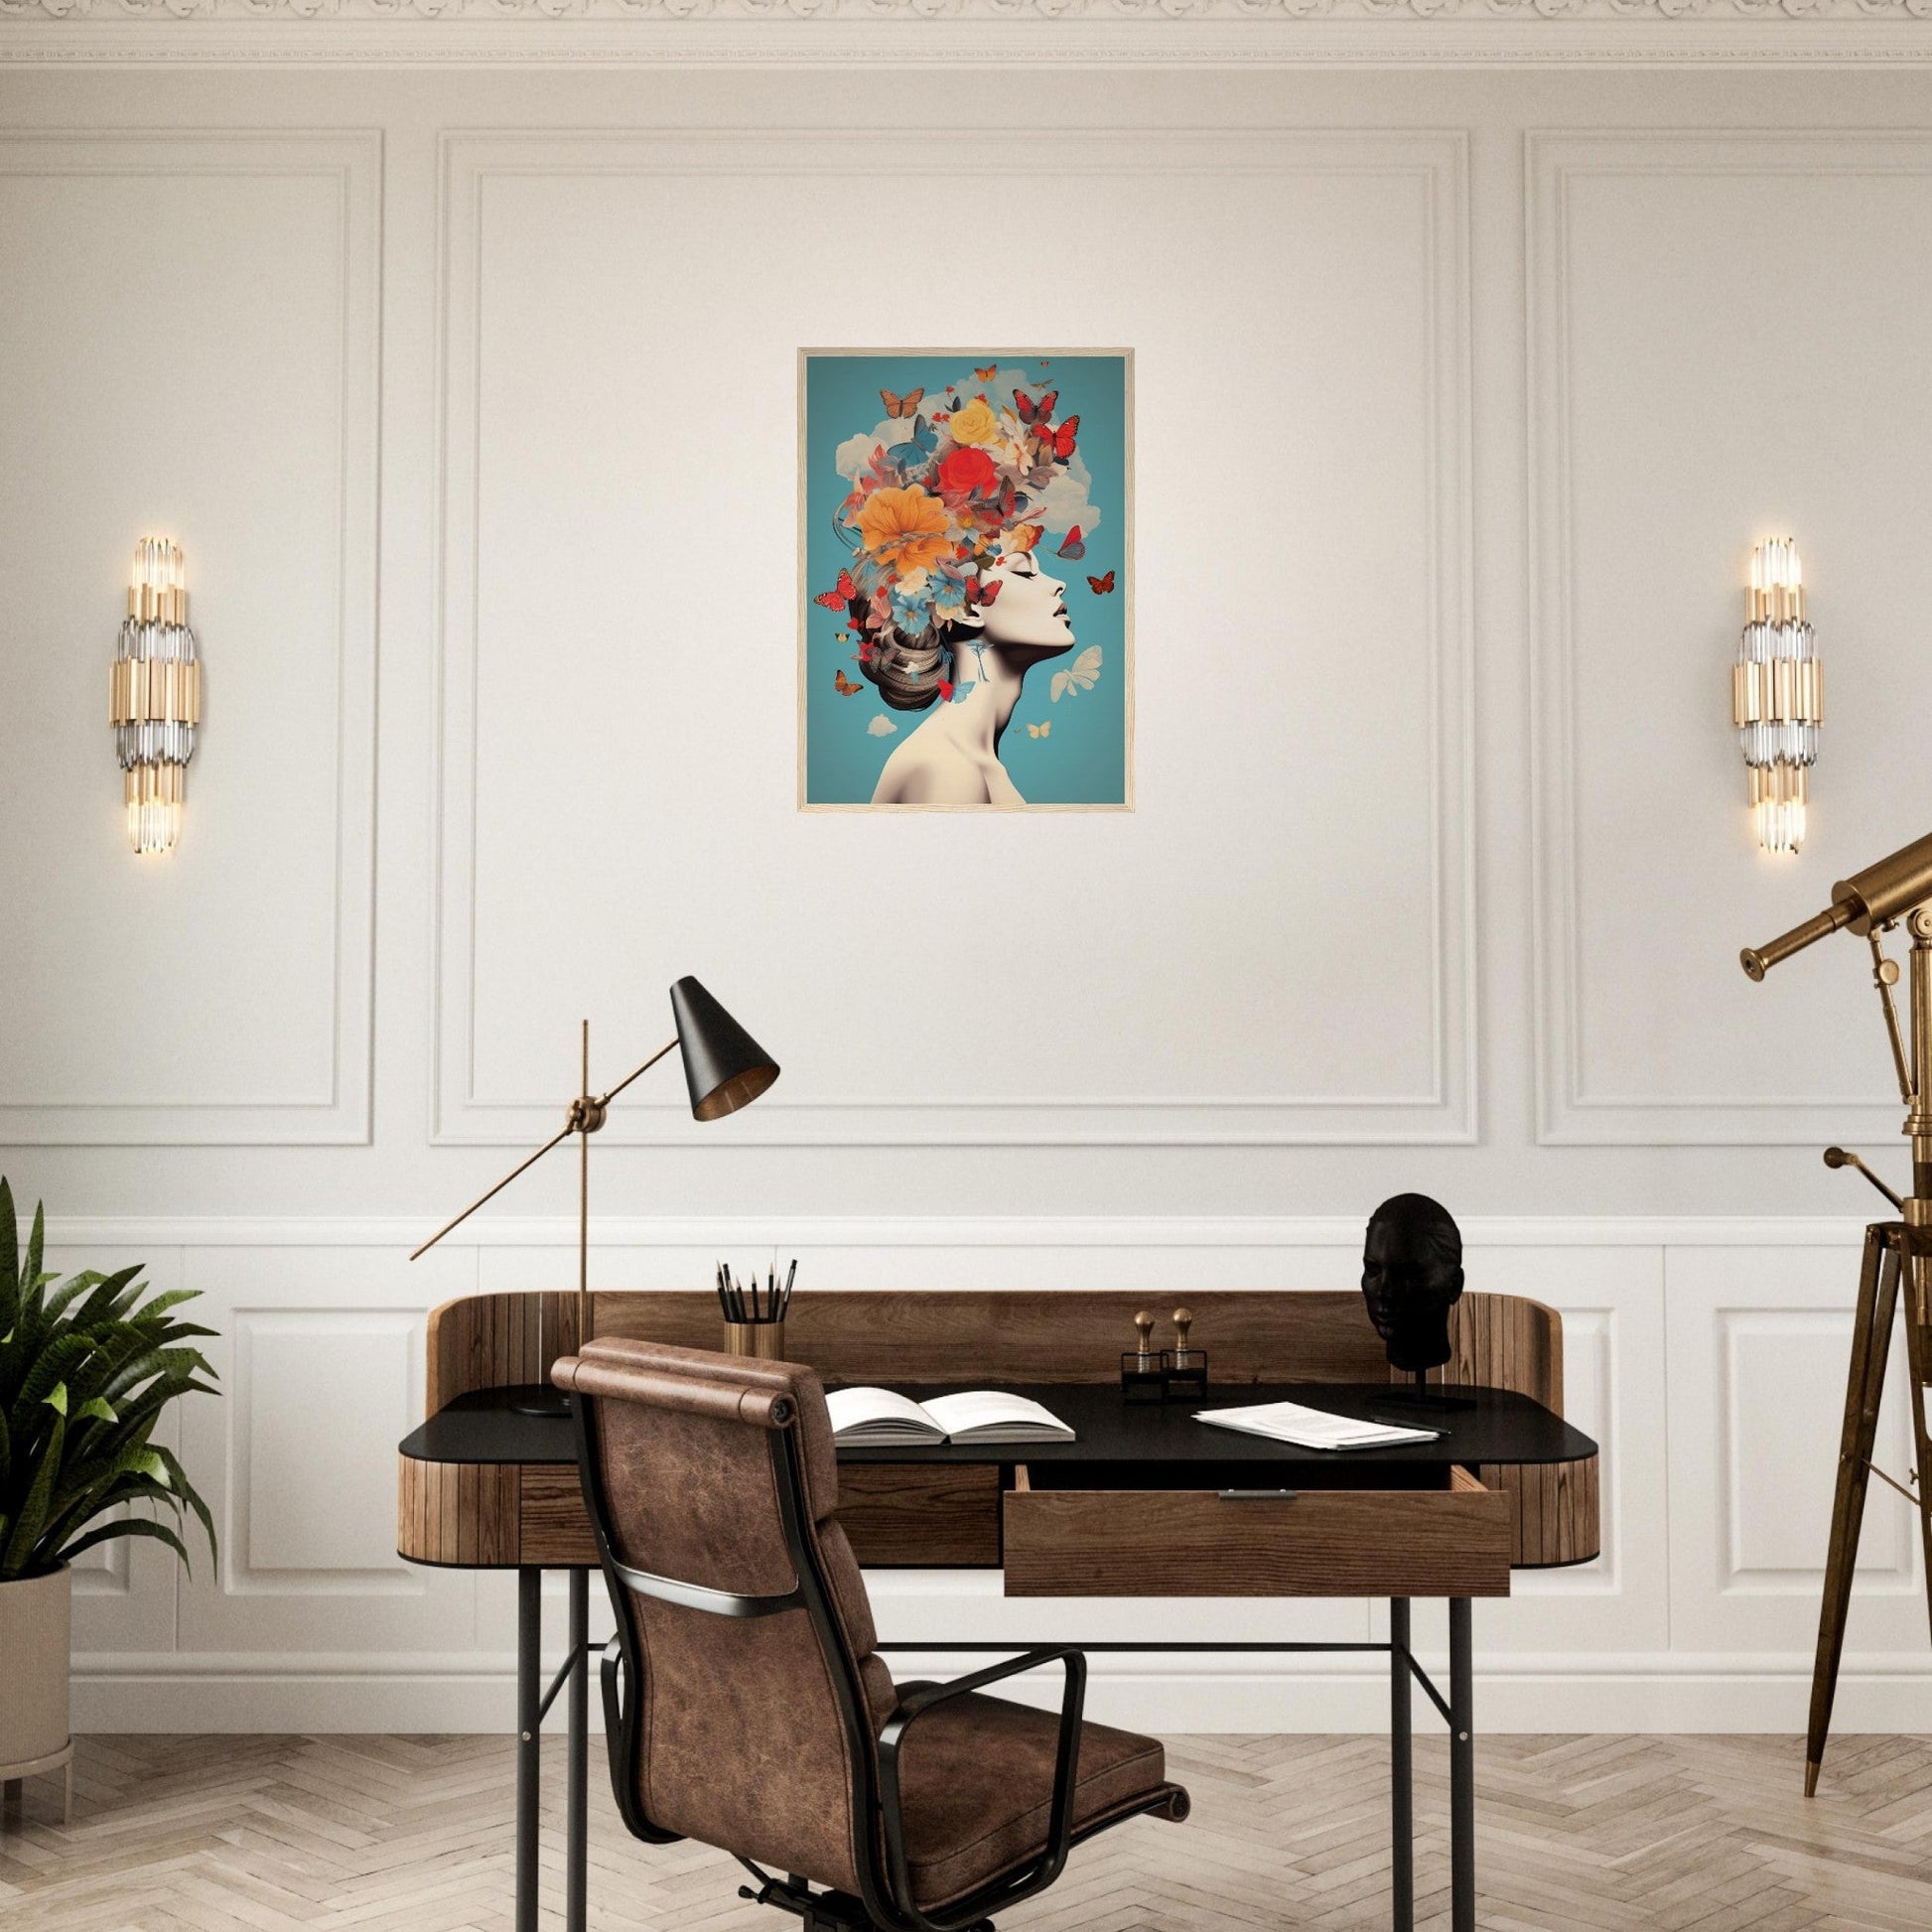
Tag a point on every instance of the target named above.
point(1777, 695)
point(156, 702)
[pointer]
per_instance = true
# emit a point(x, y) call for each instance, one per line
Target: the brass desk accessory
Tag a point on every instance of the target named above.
point(1870, 903)
point(724, 1070)
point(1184, 1368)
point(1140, 1366)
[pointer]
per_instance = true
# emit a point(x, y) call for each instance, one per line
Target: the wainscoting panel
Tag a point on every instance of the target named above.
point(1760, 1341)
point(321, 1373)
point(1615, 1343)
point(1664, 392)
point(124, 258)
point(667, 648)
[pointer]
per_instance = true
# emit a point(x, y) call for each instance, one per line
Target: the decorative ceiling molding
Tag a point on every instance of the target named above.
point(936, 12)
point(1149, 34)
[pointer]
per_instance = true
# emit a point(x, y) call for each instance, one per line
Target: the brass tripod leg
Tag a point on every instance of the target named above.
point(1918, 1284)
point(1870, 1345)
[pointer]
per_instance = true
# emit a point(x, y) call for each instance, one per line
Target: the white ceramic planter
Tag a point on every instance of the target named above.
point(34, 1642)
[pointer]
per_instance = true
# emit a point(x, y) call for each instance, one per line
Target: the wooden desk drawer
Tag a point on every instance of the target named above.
point(921, 1514)
point(1451, 1540)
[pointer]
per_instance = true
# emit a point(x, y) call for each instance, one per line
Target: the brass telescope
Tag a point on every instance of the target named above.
point(1874, 896)
point(1897, 1254)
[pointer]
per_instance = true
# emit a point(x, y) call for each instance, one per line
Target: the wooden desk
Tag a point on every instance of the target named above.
point(1134, 1507)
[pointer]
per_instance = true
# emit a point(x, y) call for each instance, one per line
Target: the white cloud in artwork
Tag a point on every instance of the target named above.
point(882, 727)
point(854, 455)
point(1064, 502)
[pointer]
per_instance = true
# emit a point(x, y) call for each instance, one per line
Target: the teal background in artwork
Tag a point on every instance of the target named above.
point(1084, 759)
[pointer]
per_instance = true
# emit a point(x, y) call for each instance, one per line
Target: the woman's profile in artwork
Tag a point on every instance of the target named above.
point(949, 599)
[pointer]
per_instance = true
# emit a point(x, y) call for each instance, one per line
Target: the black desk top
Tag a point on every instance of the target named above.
point(1477, 1425)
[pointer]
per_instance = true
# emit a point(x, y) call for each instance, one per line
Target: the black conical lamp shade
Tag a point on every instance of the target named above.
point(724, 1066)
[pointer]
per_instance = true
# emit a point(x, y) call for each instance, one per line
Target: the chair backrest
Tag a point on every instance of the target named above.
point(711, 1480)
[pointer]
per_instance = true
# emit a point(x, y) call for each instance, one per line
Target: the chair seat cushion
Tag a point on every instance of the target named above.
point(976, 1787)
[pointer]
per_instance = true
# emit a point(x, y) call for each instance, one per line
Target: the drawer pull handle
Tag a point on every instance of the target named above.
point(1259, 1495)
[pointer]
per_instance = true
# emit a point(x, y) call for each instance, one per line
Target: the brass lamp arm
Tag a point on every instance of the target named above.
point(563, 1133)
point(645, 1068)
point(586, 1114)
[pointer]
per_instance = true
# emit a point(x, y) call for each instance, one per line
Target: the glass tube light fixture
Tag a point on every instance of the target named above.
point(156, 696)
point(1777, 695)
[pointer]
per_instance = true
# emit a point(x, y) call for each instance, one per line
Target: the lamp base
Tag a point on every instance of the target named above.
point(539, 1399)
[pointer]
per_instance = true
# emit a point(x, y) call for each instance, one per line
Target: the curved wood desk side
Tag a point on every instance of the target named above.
point(490, 1515)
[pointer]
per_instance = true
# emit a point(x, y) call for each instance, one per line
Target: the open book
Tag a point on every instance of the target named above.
point(880, 1419)
point(1290, 1422)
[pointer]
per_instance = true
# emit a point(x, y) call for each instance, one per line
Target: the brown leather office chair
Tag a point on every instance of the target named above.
point(743, 1703)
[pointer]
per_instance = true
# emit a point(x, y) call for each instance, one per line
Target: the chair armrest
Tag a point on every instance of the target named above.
point(1067, 1764)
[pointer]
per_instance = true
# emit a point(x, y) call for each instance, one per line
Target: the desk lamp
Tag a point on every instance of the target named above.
point(724, 1070)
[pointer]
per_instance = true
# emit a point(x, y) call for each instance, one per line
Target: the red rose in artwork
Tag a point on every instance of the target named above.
point(965, 470)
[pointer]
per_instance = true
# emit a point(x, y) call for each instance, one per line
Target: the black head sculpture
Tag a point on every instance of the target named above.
point(1412, 1276)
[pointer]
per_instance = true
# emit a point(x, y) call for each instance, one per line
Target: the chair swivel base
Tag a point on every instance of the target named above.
point(821, 1911)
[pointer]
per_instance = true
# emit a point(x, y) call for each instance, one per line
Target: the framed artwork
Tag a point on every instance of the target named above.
point(966, 596)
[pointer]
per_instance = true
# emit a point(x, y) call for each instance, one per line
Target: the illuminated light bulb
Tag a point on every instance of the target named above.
point(156, 696)
point(1777, 694)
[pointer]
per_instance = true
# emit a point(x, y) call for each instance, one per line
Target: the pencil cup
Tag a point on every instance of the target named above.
point(764, 1339)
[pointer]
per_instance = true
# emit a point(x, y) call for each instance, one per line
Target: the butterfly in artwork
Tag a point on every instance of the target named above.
point(837, 600)
point(1101, 586)
point(1074, 546)
point(1039, 731)
point(986, 591)
point(952, 403)
point(897, 405)
point(845, 686)
point(1023, 536)
point(1060, 438)
point(919, 445)
point(988, 373)
point(1078, 676)
point(1040, 412)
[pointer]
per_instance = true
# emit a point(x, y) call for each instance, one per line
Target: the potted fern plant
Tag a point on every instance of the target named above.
point(86, 1369)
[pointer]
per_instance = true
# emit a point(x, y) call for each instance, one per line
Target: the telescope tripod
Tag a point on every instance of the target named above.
point(1898, 1255)
point(1889, 1258)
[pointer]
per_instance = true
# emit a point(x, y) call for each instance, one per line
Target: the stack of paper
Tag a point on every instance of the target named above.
point(1290, 1422)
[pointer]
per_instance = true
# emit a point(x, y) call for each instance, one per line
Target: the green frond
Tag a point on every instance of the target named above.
point(87, 1367)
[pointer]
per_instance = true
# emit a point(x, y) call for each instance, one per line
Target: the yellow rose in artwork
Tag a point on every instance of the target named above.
point(976, 424)
point(906, 530)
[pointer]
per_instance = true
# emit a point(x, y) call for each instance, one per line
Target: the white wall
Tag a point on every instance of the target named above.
point(1461, 396)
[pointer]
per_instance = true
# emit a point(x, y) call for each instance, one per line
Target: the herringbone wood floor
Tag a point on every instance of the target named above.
point(412, 1834)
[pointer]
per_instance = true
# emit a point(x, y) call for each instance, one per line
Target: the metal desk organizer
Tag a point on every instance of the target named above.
point(1144, 1502)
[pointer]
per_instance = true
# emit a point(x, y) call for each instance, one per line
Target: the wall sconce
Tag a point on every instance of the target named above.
point(156, 695)
point(1777, 694)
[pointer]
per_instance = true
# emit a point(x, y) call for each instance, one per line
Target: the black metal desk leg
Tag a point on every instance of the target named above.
point(1463, 1771)
point(1401, 1789)
point(577, 1867)
point(529, 1730)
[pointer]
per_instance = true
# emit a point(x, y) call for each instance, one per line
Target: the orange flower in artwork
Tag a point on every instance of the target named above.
point(906, 530)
